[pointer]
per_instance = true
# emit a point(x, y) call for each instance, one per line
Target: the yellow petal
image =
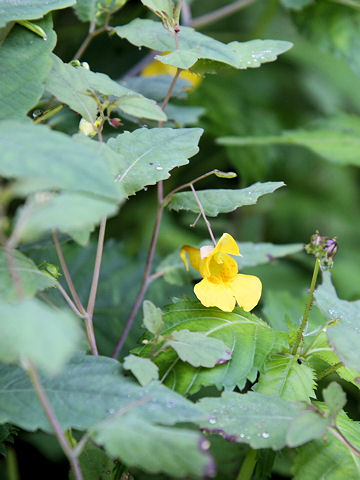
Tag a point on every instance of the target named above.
point(227, 244)
point(223, 265)
point(194, 257)
point(246, 289)
point(215, 295)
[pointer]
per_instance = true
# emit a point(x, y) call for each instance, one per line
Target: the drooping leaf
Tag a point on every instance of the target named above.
point(335, 139)
point(94, 10)
point(285, 377)
point(309, 425)
point(157, 86)
point(344, 337)
point(32, 279)
point(143, 369)
point(152, 317)
point(146, 156)
point(29, 9)
point(96, 382)
point(197, 51)
point(67, 212)
point(198, 349)
point(175, 451)
point(221, 200)
point(334, 398)
point(261, 421)
point(248, 338)
point(24, 64)
point(72, 85)
point(53, 160)
point(31, 330)
point(252, 254)
point(330, 456)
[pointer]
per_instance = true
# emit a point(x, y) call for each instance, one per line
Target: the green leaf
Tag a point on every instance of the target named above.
point(29, 9)
point(71, 85)
point(283, 376)
point(31, 330)
point(181, 115)
point(24, 64)
point(259, 420)
point(175, 451)
point(250, 340)
point(96, 382)
point(53, 160)
point(95, 464)
point(198, 349)
point(198, 51)
point(296, 4)
point(309, 425)
point(91, 10)
point(335, 398)
point(143, 369)
point(157, 86)
point(344, 337)
point(146, 156)
point(152, 317)
point(335, 139)
point(67, 212)
point(160, 7)
point(330, 457)
point(32, 279)
point(221, 200)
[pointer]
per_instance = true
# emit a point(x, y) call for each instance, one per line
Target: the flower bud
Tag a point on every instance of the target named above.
point(323, 248)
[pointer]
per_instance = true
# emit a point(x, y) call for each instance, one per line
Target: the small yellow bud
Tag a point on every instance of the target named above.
point(87, 128)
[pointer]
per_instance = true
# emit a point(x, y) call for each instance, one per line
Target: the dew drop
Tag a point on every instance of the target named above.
point(45, 38)
point(159, 168)
point(171, 404)
point(110, 411)
point(212, 420)
point(265, 435)
point(242, 435)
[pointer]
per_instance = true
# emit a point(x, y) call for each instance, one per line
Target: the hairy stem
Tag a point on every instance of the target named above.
point(202, 211)
point(50, 414)
point(329, 370)
point(220, 13)
point(299, 334)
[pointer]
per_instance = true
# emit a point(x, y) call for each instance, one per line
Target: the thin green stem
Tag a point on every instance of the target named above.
point(91, 35)
point(327, 371)
point(54, 422)
point(69, 301)
point(340, 436)
point(12, 469)
point(220, 13)
point(299, 334)
point(248, 466)
point(169, 93)
point(202, 211)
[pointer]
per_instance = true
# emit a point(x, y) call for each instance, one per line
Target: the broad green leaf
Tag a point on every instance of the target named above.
point(283, 376)
point(29, 9)
point(95, 463)
point(333, 28)
point(248, 338)
point(24, 64)
point(92, 10)
point(344, 337)
point(89, 390)
point(252, 254)
point(67, 212)
point(334, 398)
point(330, 458)
point(198, 349)
point(152, 317)
point(181, 115)
point(259, 420)
point(143, 369)
point(32, 279)
point(146, 156)
point(31, 330)
point(72, 85)
point(335, 139)
point(199, 51)
point(309, 425)
point(221, 200)
point(157, 86)
point(53, 160)
point(175, 451)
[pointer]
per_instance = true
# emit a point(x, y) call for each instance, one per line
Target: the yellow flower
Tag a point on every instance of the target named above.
point(222, 286)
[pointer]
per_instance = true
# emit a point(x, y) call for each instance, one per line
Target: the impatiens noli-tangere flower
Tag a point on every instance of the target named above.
point(222, 286)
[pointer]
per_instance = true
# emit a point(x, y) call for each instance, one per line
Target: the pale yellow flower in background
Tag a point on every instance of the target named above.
point(222, 286)
point(158, 68)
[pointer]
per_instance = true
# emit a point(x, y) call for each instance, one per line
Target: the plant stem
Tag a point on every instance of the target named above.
point(169, 93)
point(186, 16)
point(299, 334)
point(220, 13)
point(202, 211)
point(144, 284)
point(340, 436)
point(329, 370)
point(45, 403)
point(248, 465)
point(69, 301)
point(90, 36)
point(67, 273)
point(50, 112)
point(12, 468)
